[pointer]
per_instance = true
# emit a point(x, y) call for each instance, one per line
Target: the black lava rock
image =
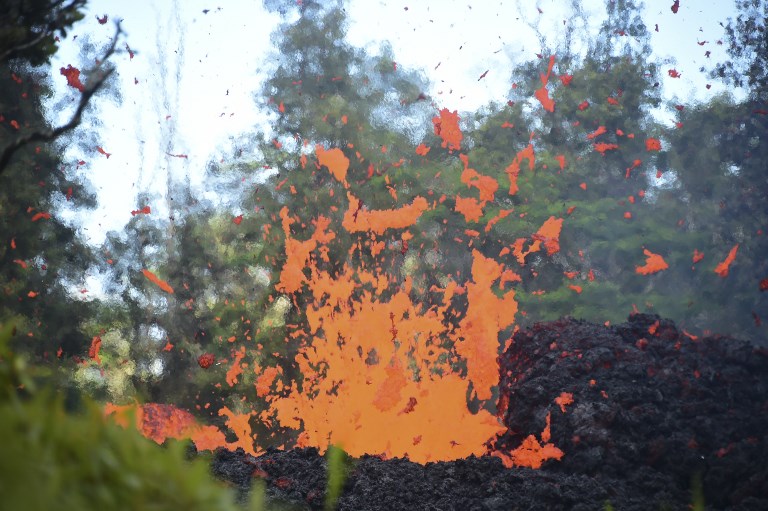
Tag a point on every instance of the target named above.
point(653, 409)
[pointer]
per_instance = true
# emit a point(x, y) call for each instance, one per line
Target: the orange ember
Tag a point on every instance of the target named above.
point(652, 144)
point(532, 453)
point(549, 234)
point(470, 207)
point(43, 215)
point(722, 268)
point(602, 147)
point(447, 127)
point(334, 160)
point(357, 219)
point(486, 184)
point(542, 94)
point(653, 263)
point(513, 170)
point(93, 351)
point(206, 360)
point(563, 400)
point(236, 369)
point(599, 131)
point(160, 283)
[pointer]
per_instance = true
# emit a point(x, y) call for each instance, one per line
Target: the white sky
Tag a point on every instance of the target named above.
point(203, 70)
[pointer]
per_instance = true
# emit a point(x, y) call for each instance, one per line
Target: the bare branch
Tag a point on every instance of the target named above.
point(94, 84)
point(22, 46)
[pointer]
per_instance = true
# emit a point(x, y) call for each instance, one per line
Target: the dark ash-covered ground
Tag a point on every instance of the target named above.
point(652, 409)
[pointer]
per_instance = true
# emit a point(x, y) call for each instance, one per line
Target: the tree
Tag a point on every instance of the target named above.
point(717, 159)
point(587, 120)
point(748, 48)
point(28, 36)
point(43, 258)
point(28, 30)
point(41, 255)
point(622, 184)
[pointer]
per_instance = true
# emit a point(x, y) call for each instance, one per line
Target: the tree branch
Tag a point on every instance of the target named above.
point(94, 84)
point(6, 55)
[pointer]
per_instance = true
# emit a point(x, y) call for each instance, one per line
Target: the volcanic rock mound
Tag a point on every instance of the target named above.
point(652, 405)
point(639, 409)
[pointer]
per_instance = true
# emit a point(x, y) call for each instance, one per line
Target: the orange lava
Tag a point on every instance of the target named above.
point(654, 263)
point(532, 453)
point(513, 170)
point(542, 94)
point(486, 184)
point(722, 268)
point(265, 380)
point(334, 160)
point(357, 219)
point(297, 254)
point(447, 128)
point(373, 378)
point(358, 405)
point(159, 422)
point(160, 283)
point(470, 207)
point(486, 316)
point(382, 370)
point(563, 400)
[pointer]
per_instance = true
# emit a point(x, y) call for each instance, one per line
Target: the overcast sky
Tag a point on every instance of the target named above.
point(196, 66)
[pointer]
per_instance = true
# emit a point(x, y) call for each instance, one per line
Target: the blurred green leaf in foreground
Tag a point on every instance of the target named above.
point(51, 458)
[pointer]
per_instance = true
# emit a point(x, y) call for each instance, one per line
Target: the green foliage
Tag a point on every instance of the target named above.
point(746, 37)
point(29, 28)
point(336, 459)
point(42, 257)
point(708, 198)
point(51, 458)
point(697, 493)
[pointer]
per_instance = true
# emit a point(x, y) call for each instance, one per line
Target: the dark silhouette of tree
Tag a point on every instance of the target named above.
point(747, 48)
point(28, 36)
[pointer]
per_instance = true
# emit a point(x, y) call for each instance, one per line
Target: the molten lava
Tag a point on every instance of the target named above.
point(386, 367)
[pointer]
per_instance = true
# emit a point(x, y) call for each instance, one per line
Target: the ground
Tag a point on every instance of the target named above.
point(655, 412)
